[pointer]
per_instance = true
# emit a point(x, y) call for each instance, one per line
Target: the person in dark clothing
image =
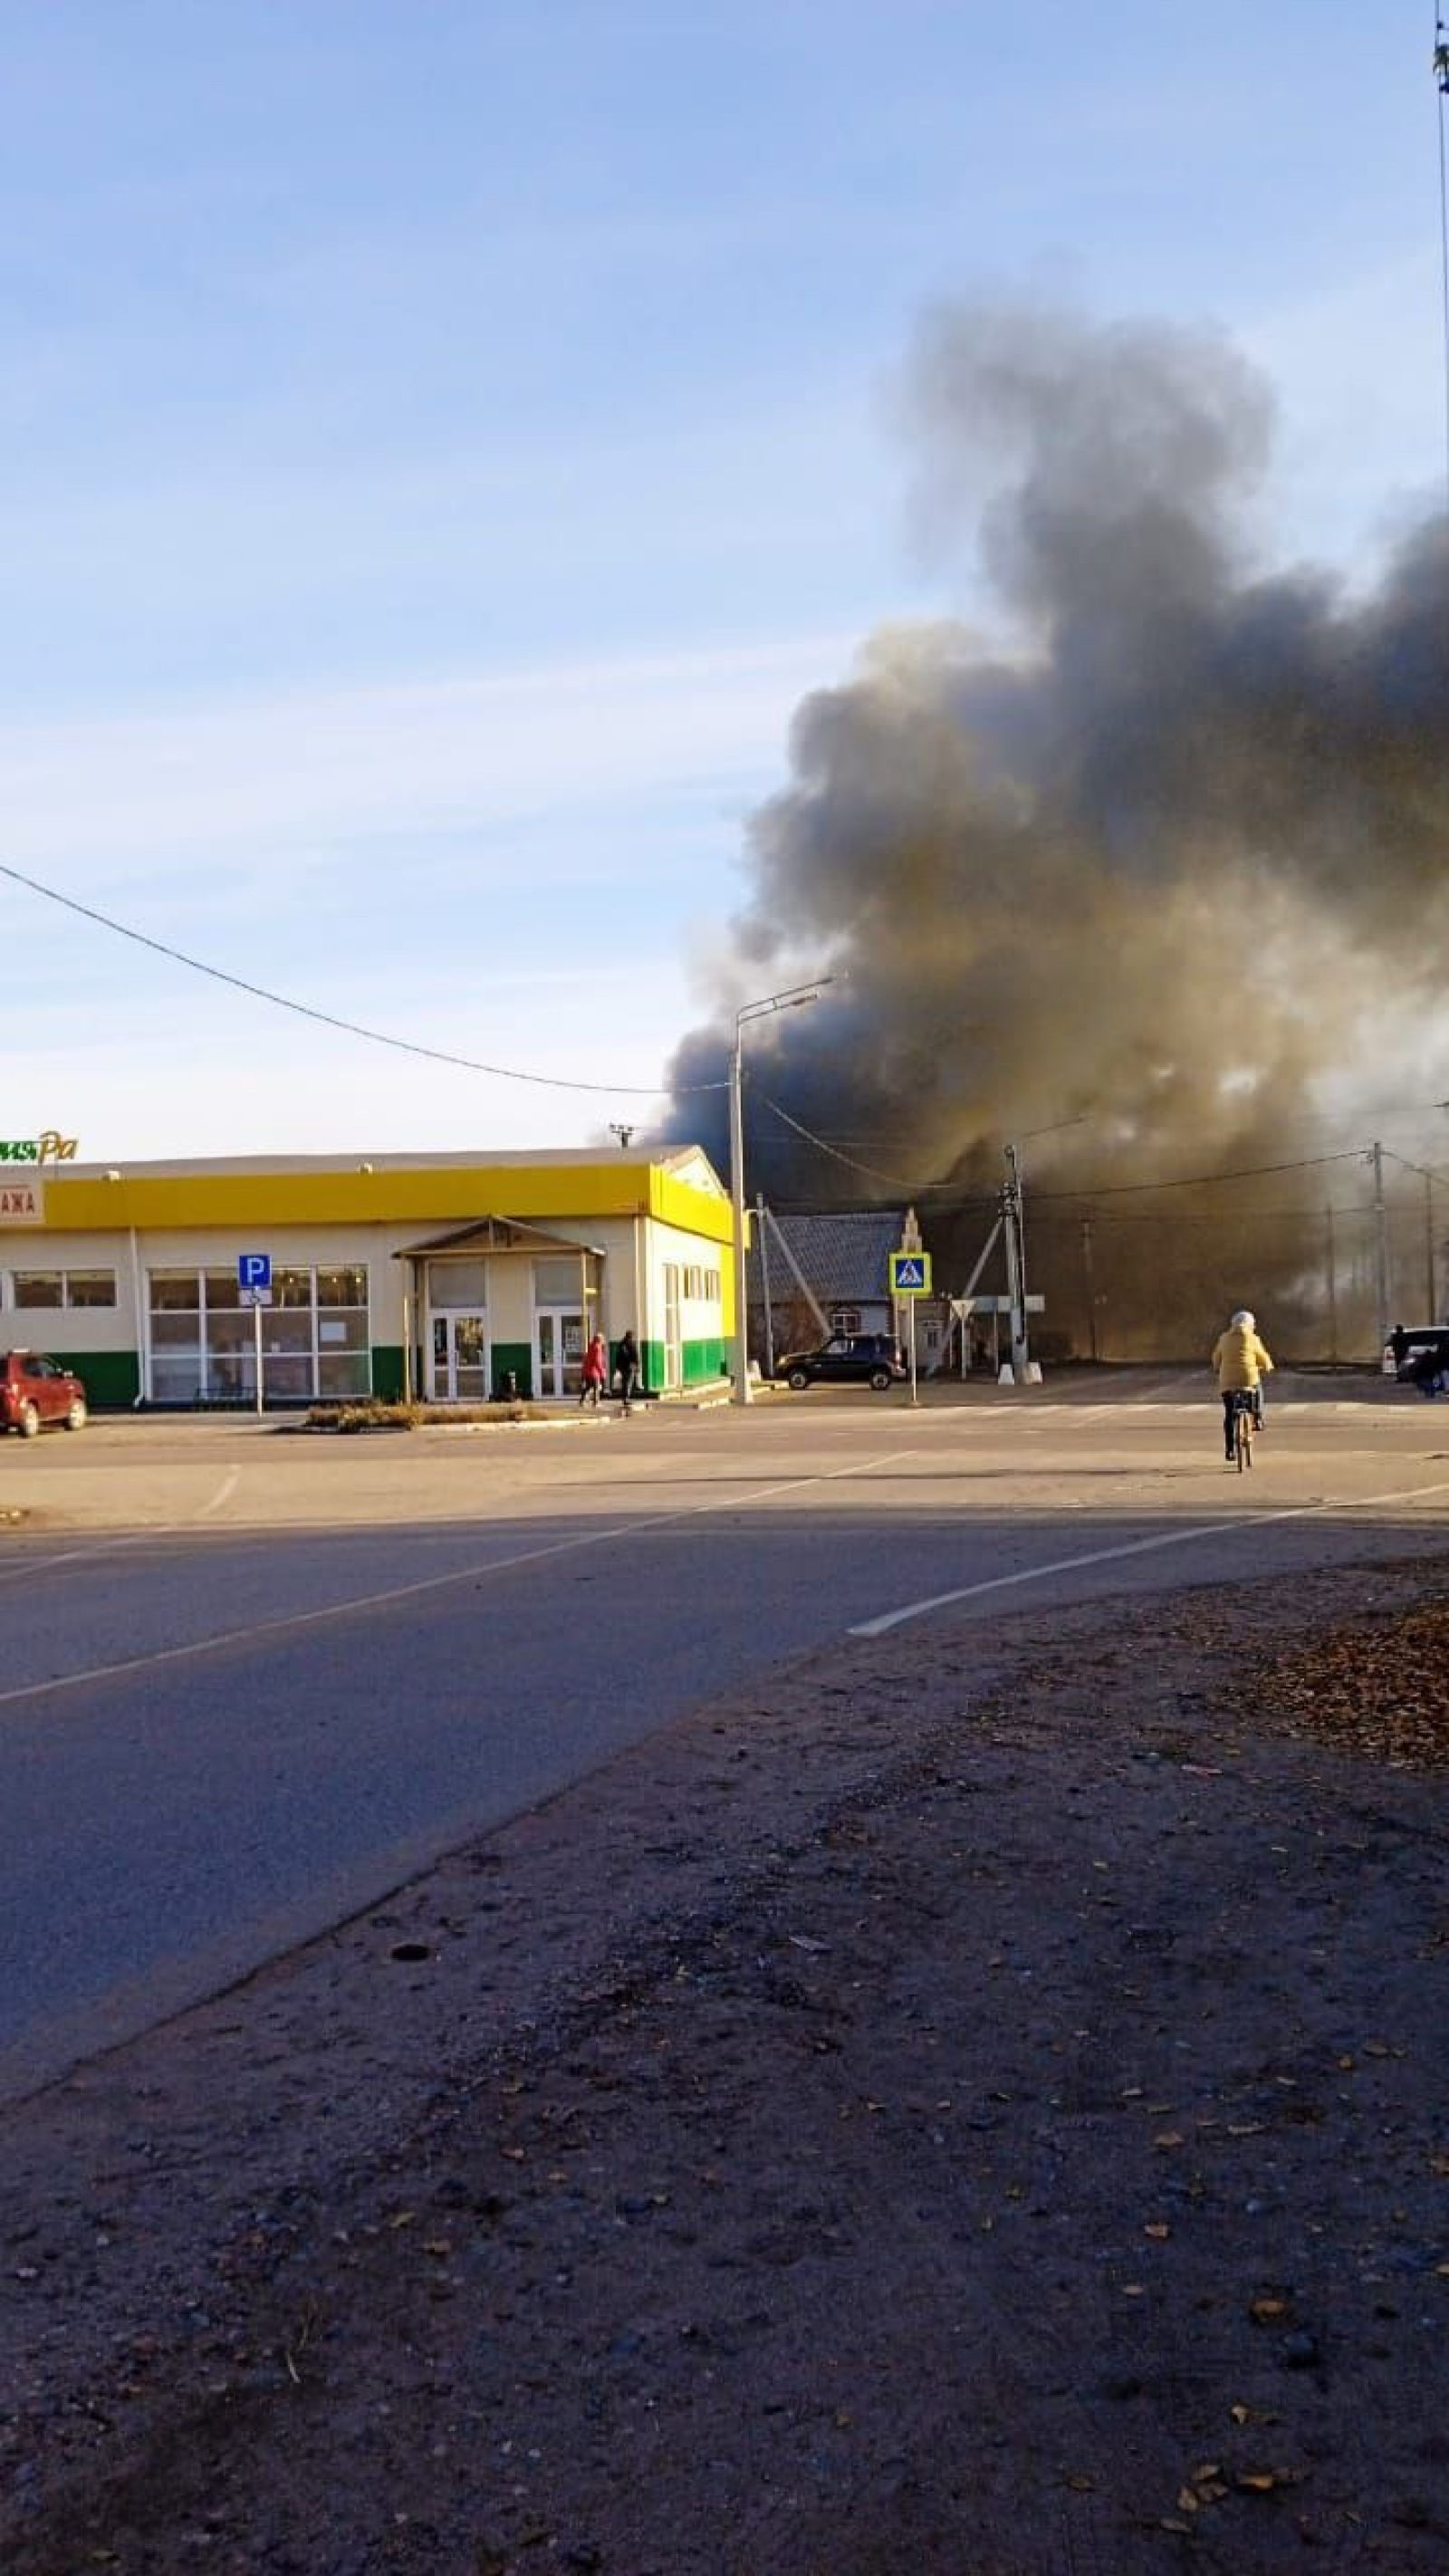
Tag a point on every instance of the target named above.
point(626, 1370)
point(1428, 1374)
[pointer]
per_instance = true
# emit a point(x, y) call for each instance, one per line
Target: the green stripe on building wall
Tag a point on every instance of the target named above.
point(387, 1371)
point(703, 1363)
point(112, 1379)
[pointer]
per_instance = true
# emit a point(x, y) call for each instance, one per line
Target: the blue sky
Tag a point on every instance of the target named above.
point(441, 443)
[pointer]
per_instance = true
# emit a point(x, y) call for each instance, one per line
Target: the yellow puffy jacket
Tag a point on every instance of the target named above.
point(1239, 1358)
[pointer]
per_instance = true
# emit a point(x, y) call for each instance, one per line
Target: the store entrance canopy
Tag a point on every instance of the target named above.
point(496, 1234)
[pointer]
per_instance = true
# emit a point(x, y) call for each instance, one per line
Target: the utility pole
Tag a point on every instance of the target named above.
point(764, 1232)
point(1090, 1278)
point(795, 999)
point(1015, 1263)
point(1431, 1266)
point(1332, 1271)
point(1381, 1243)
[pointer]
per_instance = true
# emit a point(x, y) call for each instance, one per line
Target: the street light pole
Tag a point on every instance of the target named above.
point(1016, 1265)
point(795, 999)
point(1014, 1217)
point(1381, 1245)
point(741, 1389)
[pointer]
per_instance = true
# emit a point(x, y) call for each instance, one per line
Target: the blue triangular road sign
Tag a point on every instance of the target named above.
point(910, 1274)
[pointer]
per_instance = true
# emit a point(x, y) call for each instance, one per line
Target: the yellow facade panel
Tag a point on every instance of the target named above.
point(242, 1202)
point(693, 1211)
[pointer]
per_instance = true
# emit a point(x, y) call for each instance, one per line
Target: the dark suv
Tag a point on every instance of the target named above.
point(1418, 1355)
point(847, 1359)
point(34, 1389)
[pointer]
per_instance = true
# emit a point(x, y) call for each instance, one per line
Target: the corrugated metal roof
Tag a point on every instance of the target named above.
point(845, 1258)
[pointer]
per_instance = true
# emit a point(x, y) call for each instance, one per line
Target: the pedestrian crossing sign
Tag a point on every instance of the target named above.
point(910, 1274)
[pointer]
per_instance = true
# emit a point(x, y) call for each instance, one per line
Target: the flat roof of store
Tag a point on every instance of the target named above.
point(559, 1157)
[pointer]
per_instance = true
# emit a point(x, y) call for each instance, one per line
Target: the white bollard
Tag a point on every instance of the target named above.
point(1033, 1373)
point(1006, 1374)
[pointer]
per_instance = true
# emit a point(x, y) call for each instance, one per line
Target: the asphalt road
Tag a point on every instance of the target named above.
point(250, 1681)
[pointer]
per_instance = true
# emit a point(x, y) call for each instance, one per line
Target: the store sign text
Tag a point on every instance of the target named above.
point(22, 1203)
point(52, 1147)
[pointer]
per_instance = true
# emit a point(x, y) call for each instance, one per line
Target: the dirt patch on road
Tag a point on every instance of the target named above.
point(975, 2104)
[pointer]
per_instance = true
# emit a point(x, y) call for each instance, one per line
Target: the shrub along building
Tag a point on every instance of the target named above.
point(455, 1277)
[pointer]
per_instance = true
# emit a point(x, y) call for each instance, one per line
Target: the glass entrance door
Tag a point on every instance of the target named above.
point(559, 1350)
point(460, 1359)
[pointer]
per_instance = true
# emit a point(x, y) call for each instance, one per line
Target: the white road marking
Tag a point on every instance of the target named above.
point(83, 1555)
point(1135, 1547)
point(129, 1538)
point(294, 1619)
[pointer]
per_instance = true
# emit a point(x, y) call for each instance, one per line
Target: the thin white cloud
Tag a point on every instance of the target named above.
point(269, 775)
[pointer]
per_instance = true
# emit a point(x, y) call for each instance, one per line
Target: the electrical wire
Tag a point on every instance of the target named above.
point(1423, 1169)
point(1103, 1190)
point(893, 1180)
point(333, 1020)
point(1204, 1180)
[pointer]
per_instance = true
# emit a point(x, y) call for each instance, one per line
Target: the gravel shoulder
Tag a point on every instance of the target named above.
point(972, 2103)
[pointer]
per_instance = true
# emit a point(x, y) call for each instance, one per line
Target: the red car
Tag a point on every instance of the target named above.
point(34, 1389)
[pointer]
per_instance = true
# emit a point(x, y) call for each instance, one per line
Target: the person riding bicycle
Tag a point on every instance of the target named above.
point(1242, 1362)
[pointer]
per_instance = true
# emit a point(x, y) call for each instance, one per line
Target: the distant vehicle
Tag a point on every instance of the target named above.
point(1418, 1355)
point(847, 1359)
point(34, 1390)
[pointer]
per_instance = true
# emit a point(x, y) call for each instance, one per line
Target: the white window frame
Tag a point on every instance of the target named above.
point(198, 1270)
point(41, 1270)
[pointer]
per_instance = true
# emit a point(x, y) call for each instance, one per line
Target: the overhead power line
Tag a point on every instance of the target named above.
point(1201, 1180)
point(333, 1019)
point(1424, 1170)
point(1093, 1192)
point(872, 1171)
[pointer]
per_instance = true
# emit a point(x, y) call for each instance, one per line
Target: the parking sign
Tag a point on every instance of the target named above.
point(254, 1269)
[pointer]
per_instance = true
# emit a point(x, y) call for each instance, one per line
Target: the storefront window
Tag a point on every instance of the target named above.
point(342, 1288)
point(90, 1287)
point(176, 1291)
point(314, 1336)
point(50, 1290)
point(343, 1373)
point(39, 1288)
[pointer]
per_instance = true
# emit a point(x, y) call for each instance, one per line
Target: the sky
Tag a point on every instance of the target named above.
point(441, 443)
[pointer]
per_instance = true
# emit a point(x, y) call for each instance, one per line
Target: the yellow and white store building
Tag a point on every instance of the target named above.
point(453, 1277)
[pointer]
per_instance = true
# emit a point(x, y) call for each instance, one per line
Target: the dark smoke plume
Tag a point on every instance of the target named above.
point(1174, 853)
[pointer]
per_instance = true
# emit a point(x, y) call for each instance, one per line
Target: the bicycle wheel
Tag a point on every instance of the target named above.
point(1243, 1437)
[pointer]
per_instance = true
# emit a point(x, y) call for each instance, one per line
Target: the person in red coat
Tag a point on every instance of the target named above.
point(596, 1371)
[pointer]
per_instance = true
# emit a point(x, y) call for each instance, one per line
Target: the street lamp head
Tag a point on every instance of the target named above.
point(794, 998)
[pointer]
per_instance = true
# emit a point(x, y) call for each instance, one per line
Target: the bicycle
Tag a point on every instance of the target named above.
point(1245, 1423)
